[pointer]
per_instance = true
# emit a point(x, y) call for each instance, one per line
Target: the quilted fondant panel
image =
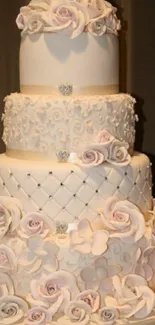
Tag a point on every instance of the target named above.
point(64, 191)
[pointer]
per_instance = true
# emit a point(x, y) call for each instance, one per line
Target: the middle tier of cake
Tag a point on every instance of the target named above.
point(39, 127)
point(67, 192)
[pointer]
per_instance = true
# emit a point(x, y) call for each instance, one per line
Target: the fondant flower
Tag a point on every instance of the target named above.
point(146, 264)
point(67, 14)
point(97, 27)
point(10, 214)
point(132, 297)
point(36, 224)
point(118, 153)
point(6, 285)
point(23, 17)
point(108, 315)
point(78, 312)
point(92, 157)
point(113, 25)
point(38, 316)
point(53, 291)
point(86, 241)
point(123, 219)
point(12, 310)
point(8, 260)
point(39, 5)
point(90, 297)
point(105, 137)
point(99, 276)
point(34, 24)
point(40, 253)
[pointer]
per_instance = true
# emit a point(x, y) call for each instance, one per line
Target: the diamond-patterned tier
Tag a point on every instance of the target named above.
point(64, 191)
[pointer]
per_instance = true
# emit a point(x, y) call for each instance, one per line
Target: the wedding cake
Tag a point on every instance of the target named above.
point(77, 225)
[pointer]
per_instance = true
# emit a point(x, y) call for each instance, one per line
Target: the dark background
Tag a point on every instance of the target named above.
point(137, 62)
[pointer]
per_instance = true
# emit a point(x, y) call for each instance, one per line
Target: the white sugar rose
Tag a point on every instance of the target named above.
point(36, 224)
point(78, 312)
point(10, 214)
point(108, 315)
point(97, 27)
point(118, 153)
point(53, 291)
point(12, 310)
point(131, 297)
point(35, 24)
point(85, 240)
point(123, 219)
point(67, 14)
point(22, 18)
point(90, 297)
point(92, 157)
point(104, 137)
point(38, 316)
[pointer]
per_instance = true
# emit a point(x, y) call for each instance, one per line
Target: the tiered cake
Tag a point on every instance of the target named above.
point(77, 230)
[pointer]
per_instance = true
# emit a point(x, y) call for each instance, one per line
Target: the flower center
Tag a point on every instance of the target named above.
point(98, 27)
point(120, 216)
point(37, 316)
point(34, 224)
point(76, 312)
point(119, 154)
point(64, 12)
point(51, 289)
point(9, 310)
point(107, 314)
point(3, 258)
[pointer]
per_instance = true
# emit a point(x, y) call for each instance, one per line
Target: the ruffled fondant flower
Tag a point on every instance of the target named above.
point(12, 310)
point(36, 224)
point(92, 157)
point(146, 264)
point(108, 315)
point(6, 285)
point(53, 291)
point(10, 214)
point(39, 253)
point(35, 23)
point(38, 316)
point(86, 241)
point(123, 219)
point(78, 312)
point(8, 260)
point(132, 297)
point(67, 14)
point(118, 153)
point(90, 297)
point(99, 276)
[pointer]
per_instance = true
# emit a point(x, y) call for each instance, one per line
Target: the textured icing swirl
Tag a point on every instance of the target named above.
point(71, 17)
point(52, 124)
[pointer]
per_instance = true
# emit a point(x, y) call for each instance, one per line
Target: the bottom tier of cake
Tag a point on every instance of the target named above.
point(68, 192)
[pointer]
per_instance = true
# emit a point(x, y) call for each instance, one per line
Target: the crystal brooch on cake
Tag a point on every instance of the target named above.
point(66, 89)
point(62, 156)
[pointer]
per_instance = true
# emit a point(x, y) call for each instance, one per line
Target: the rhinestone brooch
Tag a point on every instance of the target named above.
point(61, 227)
point(66, 89)
point(62, 156)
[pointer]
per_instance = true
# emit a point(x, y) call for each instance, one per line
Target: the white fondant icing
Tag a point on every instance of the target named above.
point(47, 124)
point(66, 192)
point(87, 63)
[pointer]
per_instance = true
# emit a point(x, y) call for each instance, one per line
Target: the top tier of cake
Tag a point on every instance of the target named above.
point(69, 46)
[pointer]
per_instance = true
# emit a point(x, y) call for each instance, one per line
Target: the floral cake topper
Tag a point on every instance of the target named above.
point(70, 16)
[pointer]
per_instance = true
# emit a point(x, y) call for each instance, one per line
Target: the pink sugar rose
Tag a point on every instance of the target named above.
point(38, 316)
point(123, 219)
point(90, 297)
point(92, 158)
point(53, 291)
point(35, 223)
point(67, 14)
